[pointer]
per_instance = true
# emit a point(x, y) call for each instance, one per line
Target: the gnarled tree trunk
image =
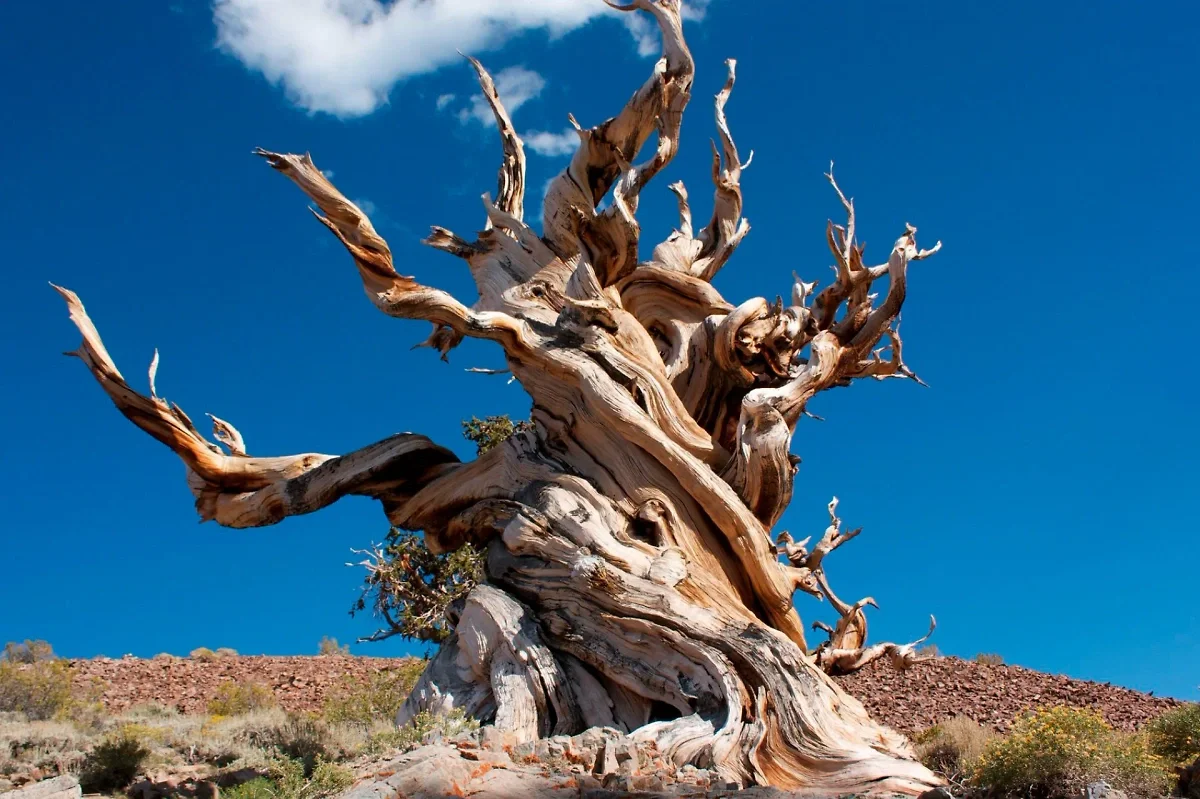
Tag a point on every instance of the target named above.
point(632, 578)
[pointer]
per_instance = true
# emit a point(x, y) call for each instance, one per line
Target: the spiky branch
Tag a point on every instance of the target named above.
point(630, 563)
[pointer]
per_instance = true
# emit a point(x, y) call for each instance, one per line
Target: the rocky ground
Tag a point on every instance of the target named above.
point(598, 764)
point(458, 761)
point(909, 701)
point(299, 683)
point(939, 689)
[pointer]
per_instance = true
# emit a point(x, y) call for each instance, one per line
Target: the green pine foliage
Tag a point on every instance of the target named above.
point(410, 588)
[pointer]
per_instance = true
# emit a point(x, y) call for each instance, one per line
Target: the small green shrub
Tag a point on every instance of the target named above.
point(1055, 753)
point(226, 652)
point(40, 689)
point(492, 431)
point(258, 788)
point(328, 779)
point(235, 699)
point(413, 734)
point(989, 659)
point(376, 698)
point(412, 589)
point(301, 739)
point(203, 654)
point(1175, 735)
point(114, 762)
point(288, 780)
point(28, 652)
point(952, 748)
point(330, 646)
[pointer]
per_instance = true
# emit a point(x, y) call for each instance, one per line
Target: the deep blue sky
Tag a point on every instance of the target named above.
point(1039, 498)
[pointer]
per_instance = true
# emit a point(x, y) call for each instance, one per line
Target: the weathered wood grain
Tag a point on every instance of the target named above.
point(633, 580)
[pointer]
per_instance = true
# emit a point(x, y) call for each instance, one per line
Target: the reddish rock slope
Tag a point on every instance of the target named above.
point(909, 701)
point(938, 689)
point(300, 683)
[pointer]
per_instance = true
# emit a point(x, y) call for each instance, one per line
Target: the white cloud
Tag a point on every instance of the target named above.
point(366, 206)
point(342, 57)
point(645, 32)
point(551, 144)
point(328, 173)
point(515, 85)
point(694, 10)
point(444, 100)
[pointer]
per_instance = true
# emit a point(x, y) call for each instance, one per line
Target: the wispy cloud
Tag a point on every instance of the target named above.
point(551, 144)
point(343, 57)
point(515, 85)
point(365, 205)
point(444, 100)
point(645, 32)
point(695, 10)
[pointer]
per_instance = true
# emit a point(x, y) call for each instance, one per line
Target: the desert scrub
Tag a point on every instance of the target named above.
point(302, 739)
point(1055, 753)
point(235, 699)
point(203, 654)
point(952, 748)
point(28, 652)
point(150, 711)
point(377, 698)
point(225, 740)
point(422, 725)
point(33, 681)
point(288, 780)
point(989, 659)
point(114, 762)
point(1175, 735)
point(330, 646)
point(53, 747)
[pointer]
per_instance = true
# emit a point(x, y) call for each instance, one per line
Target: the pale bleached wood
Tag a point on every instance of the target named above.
point(632, 579)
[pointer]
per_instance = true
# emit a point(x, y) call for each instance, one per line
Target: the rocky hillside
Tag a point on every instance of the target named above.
point(938, 689)
point(909, 701)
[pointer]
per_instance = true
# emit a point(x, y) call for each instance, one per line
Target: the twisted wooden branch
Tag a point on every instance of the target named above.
point(237, 490)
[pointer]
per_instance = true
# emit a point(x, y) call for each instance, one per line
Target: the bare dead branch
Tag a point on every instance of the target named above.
point(241, 491)
point(510, 191)
point(395, 294)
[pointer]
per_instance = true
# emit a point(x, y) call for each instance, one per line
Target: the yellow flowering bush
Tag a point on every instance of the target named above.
point(39, 689)
point(1055, 753)
point(1175, 735)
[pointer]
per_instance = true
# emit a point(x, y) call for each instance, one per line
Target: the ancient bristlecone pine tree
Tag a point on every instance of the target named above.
point(632, 580)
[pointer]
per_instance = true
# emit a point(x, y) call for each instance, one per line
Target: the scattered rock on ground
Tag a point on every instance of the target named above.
point(600, 763)
point(64, 787)
point(938, 689)
point(187, 684)
point(909, 701)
